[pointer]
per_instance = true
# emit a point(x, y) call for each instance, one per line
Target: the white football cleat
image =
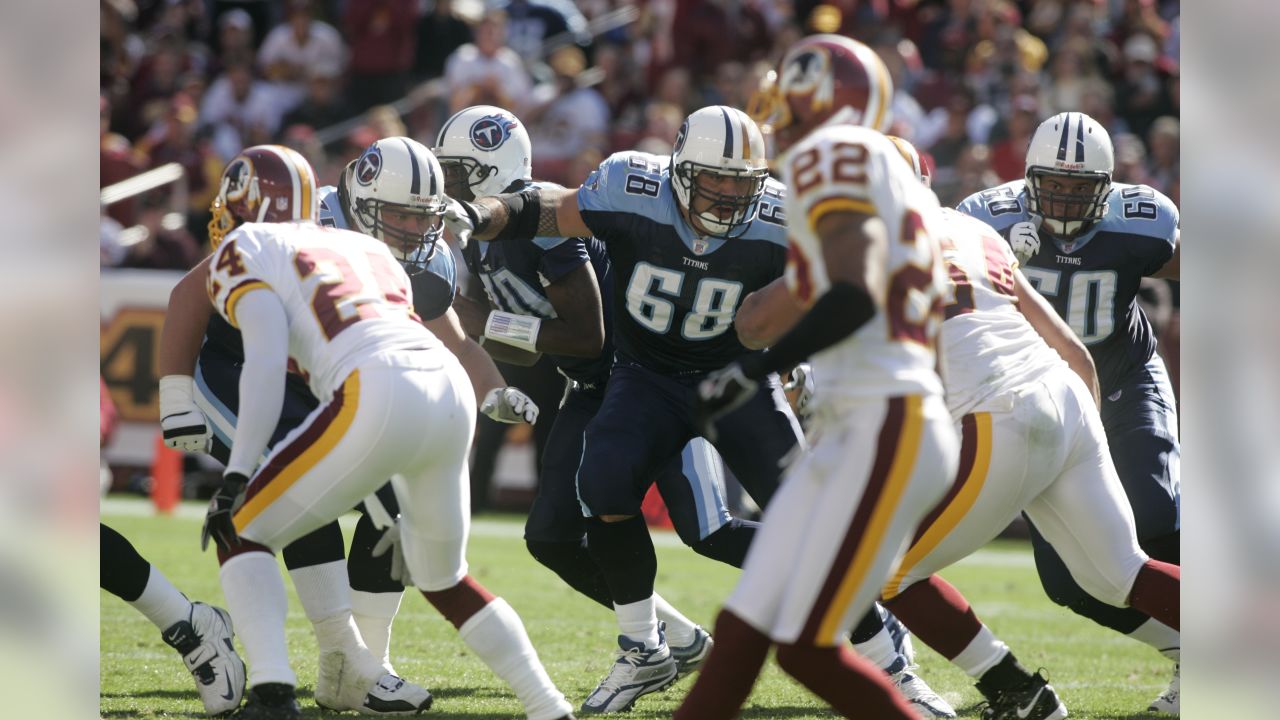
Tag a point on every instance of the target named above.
point(204, 640)
point(340, 686)
point(1167, 701)
point(927, 703)
point(690, 657)
point(636, 673)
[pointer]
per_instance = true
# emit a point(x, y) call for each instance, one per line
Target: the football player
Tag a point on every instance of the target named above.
point(866, 268)
point(200, 633)
point(394, 403)
point(1103, 238)
point(315, 561)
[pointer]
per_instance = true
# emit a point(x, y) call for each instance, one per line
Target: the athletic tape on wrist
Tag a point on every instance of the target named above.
point(516, 330)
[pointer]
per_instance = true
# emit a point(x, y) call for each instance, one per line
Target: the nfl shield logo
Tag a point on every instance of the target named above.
point(700, 246)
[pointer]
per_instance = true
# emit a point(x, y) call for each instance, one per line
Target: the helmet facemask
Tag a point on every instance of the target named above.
point(412, 248)
point(709, 206)
point(1065, 213)
point(463, 174)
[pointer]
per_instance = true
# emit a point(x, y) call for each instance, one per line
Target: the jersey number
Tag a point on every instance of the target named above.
point(1091, 300)
point(848, 161)
point(341, 300)
point(506, 290)
point(714, 302)
point(910, 284)
point(960, 300)
point(1001, 201)
point(1139, 203)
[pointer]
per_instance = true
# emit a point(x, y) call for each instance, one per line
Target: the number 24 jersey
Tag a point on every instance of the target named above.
point(345, 296)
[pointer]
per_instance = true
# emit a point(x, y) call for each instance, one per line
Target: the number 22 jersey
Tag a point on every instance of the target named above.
point(345, 297)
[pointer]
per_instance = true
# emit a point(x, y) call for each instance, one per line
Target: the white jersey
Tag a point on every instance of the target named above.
point(345, 296)
point(988, 346)
point(858, 169)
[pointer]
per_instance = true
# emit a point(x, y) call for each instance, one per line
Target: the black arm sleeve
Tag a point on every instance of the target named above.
point(523, 211)
point(837, 315)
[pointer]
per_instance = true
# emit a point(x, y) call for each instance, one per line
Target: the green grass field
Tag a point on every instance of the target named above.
point(1098, 673)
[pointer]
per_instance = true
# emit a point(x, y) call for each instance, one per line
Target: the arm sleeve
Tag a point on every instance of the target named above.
point(1166, 224)
point(265, 330)
point(608, 206)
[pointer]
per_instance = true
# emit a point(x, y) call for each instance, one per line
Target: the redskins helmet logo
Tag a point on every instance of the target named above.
point(809, 71)
point(491, 131)
point(680, 136)
point(238, 177)
point(369, 166)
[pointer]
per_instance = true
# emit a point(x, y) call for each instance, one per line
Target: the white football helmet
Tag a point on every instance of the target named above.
point(483, 149)
point(719, 140)
point(1069, 146)
point(400, 174)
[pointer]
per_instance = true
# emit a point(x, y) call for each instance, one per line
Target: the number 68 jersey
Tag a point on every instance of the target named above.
point(846, 168)
point(345, 297)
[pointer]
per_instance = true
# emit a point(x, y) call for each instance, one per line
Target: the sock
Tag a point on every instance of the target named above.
point(680, 629)
point(935, 611)
point(322, 589)
point(256, 598)
point(726, 678)
point(1159, 636)
point(573, 563)
point(458, 603)
point(880, 651)
point(624, 553)
point(496, 635)
point(1155, 592)
point(981, 654)
point(638, 621)
point(850, 684)
point(374, 613)
point(161, 602)
point(1004, 675)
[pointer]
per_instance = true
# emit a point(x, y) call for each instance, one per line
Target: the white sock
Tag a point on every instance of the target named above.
point(323, 589)
point(1158, 635)
point(982, 653)
point(258, 604)
point(497, 636)
point(374, 613)
point(638, 621)
point(161, 602)
point(680, 629)
point(879, 649)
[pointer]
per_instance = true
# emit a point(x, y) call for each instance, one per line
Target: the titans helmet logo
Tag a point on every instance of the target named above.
point(369, 166)
point(680, 136)
point(490, 131)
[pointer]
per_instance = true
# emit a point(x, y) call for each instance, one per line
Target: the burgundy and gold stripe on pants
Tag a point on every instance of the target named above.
point(292, 461)
point(896, 451)
point(975, 461)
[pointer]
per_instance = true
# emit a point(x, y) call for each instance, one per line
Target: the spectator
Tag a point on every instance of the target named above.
point(1142, 91)
point(173, 139)
point(1164, 164)
point(567, 117)
point(323, 106)
point(235, 37)
point(1008, 155)
point(116, 162)
point(1131, 159)
point(383, 37)
point(157, 79)
point(239, 109)
point(707, 33)
point(299, 45)
point(530, 23)
point(162, 241)
point(440, 32)
point(487, 72)
point(662, 123)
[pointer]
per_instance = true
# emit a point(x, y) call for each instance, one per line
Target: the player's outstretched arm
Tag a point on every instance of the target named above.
point(265, 329)
point(184, 322)
point(767, 314)
point(1056, 333)
point(1169, 271)
point(534, 212)
point(578, 328)
point(484, 375)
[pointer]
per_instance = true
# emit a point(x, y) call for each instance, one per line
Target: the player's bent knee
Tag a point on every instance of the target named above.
point(245, 546)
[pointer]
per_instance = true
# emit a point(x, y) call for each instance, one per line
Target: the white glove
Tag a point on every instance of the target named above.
point(184, 426)
point(390, 540)
point(801, 383)
point(458, 222)
point(509, 405)
point(1025, 240)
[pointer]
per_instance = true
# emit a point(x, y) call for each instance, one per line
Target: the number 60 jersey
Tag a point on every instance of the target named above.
point(345, 296)
point(856, 169)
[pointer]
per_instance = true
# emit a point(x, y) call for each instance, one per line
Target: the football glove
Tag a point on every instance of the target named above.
point(390, 541)
point(719, 394)
point(1024, 239)
point(459, 221)
point(183, 425)
point(801, 383)
point(217, 520)
point(509, 405)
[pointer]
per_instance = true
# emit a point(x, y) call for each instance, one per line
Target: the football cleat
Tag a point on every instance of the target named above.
point(1033, 700)
point(269, 701)
point(374, 692)
point(636, 672)
point(204, 640)
point(690, 657)
point(1167, 702)
point(927, 703)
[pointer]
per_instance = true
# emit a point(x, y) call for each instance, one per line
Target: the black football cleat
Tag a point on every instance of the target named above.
point(1033, 700)
point(269, 701)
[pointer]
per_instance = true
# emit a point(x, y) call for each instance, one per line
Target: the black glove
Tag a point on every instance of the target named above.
point(722, 392)
point(217, 521)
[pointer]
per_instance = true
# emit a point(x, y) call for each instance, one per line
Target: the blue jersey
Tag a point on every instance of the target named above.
point(433, 285)
point(515, 275)
point(1092, 280)
point(676, 293)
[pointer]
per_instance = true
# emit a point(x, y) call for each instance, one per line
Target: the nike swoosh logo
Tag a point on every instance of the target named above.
point(1023, 712)
point(231, 693)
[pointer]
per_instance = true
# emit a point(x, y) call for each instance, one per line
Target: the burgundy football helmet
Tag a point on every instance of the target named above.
point(264, 183)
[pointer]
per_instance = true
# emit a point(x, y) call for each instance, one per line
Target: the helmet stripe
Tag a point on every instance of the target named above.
point(304, 210)
point(746, 136)
point(415, 180)
point(1080, 141)
point(444, 131)
point(282, 154)
point(728, 134)
point(1066, 133)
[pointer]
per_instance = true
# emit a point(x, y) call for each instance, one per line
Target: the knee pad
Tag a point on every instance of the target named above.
point(365, 572)
point(434, 563)
point(729, 544)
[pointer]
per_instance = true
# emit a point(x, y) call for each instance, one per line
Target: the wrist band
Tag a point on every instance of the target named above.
point(516, 330)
